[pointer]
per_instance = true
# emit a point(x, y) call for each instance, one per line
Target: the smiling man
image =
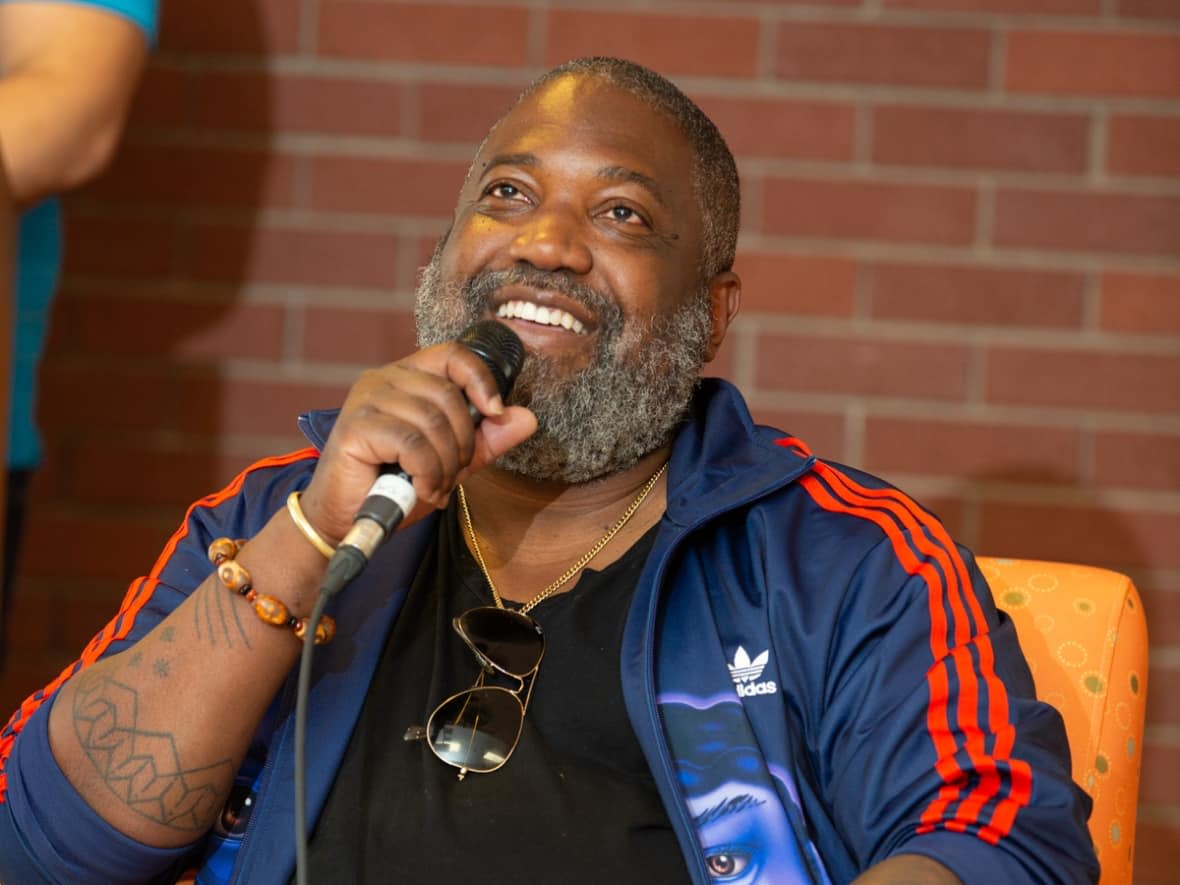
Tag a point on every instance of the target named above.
point(625, 635)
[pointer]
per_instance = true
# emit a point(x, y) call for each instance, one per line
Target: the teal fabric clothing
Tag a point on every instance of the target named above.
point(38, 268)
point(143, 12)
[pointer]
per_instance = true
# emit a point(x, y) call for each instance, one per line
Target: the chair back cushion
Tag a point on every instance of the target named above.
point(1084, 634)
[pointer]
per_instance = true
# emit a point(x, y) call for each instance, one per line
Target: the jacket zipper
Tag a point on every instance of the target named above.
point(697, 868)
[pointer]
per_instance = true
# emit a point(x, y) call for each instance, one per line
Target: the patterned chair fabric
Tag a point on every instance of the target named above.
point(1084, 633)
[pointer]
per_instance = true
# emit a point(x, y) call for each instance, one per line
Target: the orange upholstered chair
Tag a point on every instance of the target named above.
point(1085, 637)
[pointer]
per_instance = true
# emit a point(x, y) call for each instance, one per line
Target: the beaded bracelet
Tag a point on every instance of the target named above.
point(305, 526)
point(234, 576)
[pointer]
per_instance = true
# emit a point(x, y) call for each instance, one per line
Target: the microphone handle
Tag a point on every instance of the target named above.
point(391, 497)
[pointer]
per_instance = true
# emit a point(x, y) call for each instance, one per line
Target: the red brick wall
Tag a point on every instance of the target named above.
point(961, 253)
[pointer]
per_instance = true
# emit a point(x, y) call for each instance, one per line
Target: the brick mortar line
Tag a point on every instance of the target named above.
point(1162, 733)
point(998, 61)
point(965, 334)
point(1158, 814)
point(406, 147)
point(276, 217)
point(870, 11)
point(752, 242)
point(744, 357)
point(253, 293)
point(938, 19)
point(334, 67)
point(767, 51)
point(1166, 580)
point(1166, 657)
point(1004, 256)
point(1115, 500)
point(964, 178)
point(951, 411)
point(315, 144)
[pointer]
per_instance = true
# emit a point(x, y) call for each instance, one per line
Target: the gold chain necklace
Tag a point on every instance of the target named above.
point(573, 569)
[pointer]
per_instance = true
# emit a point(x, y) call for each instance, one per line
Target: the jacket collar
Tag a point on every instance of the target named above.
point(722, 459)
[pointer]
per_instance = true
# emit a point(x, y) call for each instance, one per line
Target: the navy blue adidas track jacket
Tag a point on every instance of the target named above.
point(872, 674)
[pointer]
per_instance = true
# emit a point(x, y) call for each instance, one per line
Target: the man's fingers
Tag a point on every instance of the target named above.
point(473, 376)
point(500, 433)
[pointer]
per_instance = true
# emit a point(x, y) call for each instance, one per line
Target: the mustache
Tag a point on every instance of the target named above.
point(480, 288)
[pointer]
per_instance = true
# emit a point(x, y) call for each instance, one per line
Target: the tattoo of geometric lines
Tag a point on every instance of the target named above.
point(211, 613)
point(142, 767)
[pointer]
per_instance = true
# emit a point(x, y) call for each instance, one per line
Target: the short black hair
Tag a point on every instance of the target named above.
point(714, 176)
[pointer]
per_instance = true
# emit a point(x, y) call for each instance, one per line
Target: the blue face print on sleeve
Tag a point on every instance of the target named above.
point(744, 829)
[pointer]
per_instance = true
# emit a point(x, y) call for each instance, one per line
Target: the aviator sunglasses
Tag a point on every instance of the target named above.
point(477, 729)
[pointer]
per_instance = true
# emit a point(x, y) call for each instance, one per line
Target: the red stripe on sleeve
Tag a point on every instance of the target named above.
point(1000, 728)
point(937, 718)
point(888, 508)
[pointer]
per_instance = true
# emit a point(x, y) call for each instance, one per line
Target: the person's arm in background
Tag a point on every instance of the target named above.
point(68, 72)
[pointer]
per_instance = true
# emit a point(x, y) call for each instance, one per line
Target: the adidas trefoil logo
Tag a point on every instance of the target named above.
point(745, 673)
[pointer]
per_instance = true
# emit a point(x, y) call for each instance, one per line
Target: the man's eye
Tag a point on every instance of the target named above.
point(504, 190)
point(626, 215)
point(727, 864)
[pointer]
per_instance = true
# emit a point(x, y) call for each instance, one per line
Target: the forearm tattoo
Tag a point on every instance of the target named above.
point(218, 619)
point(142, 768)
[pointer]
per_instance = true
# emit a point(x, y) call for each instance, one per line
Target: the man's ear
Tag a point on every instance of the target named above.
point(725, 297)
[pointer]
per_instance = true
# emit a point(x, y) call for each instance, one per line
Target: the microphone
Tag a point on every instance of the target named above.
point(392, 496)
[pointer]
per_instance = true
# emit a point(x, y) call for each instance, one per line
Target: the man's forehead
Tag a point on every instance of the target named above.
point(592, 113)
point(577, 100)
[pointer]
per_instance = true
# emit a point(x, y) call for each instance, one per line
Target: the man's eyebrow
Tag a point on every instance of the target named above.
point(622, 173)
point(517, 159)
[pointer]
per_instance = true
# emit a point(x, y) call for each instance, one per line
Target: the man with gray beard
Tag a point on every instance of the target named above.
point(622, 634)
point(604, 418)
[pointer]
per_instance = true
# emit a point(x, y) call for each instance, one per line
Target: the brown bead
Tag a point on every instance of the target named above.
point(325, 630)
point(271, 610)
point(221, 549)
point(234, 576)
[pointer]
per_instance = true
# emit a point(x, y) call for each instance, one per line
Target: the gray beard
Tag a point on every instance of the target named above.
point(602, 419)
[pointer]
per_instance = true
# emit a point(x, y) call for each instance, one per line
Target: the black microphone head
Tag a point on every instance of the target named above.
point(499, 347)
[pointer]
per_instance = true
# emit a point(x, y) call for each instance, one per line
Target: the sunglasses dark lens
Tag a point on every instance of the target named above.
point(477, 729)
point(510, 640)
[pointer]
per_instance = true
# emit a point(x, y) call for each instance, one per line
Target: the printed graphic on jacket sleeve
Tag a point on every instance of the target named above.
point(745, 812)
point(746, 673)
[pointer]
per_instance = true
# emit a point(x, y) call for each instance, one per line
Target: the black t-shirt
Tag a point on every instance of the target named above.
point(574, 802)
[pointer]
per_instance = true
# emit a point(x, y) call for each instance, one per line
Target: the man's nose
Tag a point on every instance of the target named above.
point(553, 239)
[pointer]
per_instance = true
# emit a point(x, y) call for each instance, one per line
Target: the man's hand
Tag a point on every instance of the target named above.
point(412, 412)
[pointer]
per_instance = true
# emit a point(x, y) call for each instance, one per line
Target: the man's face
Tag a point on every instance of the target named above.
point(578, 228)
